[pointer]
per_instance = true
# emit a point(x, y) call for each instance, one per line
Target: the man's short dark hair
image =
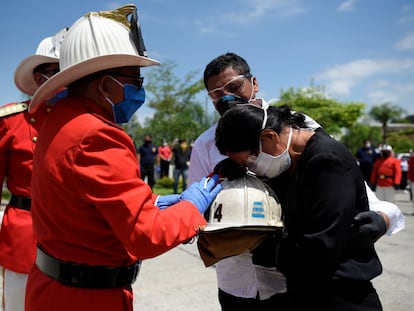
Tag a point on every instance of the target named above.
point(222, 62)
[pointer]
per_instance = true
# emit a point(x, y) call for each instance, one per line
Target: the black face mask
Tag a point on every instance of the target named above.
point(385, 154)
point(147, 142)
point(228, 101)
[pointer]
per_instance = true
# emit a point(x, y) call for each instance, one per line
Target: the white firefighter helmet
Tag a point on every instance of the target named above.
point(95, 42)
point(48, 51)
point(244, 203)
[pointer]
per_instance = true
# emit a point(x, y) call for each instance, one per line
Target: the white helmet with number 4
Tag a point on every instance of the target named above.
point(244, 203)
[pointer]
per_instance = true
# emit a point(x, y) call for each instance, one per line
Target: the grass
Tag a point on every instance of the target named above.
point(157, 189)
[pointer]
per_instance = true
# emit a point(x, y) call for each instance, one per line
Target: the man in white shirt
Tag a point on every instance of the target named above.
point(241, 282)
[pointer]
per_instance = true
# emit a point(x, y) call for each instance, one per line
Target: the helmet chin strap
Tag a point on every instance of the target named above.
point(252, 93)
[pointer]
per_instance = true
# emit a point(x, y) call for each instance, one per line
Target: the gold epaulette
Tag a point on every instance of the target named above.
point(12, 109)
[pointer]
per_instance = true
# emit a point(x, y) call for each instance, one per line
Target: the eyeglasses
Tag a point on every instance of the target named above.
point(50, 72)
point(138, 80)
point(230, 87)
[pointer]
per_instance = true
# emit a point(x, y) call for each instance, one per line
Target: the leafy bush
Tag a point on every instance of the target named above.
point(165, 182)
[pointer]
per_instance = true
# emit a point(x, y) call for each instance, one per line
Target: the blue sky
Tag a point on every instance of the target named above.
point(360, 50)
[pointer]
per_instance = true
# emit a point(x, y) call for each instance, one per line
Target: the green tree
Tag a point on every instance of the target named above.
point(331, 114)
point(178, 112)
point(355, 136)
point(133, 128)
point(384, 114)
point(400, 141)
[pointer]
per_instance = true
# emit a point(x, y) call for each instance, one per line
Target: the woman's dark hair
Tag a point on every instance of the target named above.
point(222, 62)
point(239, 128)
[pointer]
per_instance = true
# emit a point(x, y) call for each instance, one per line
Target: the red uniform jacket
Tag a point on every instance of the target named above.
point(18, 134)
point(91, 206)
point(386, 172)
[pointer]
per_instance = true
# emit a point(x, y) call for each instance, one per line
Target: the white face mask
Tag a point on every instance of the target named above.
point(272, 166)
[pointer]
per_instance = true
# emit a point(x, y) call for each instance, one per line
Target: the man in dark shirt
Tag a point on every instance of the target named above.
point(147, 155)
point(181, 160)
point(366, 156)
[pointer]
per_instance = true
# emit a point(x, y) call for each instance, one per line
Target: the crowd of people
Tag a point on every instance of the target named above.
point(83, 215)
point(165, 161)
point(384, 172)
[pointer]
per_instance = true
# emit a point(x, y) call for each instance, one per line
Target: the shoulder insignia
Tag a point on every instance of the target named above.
point(12, 109)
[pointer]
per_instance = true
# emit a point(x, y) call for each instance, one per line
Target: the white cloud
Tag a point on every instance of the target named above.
point(114, 5)
point(341, 78)
point(362, 68)
point(406, 8)
point(401, 94)
point(257, 9)
point(214, 30)
point(347, 5)
point(406, 19)
point(372, 81)
point(250, 11)
point(380, 92)
point(406, 43)
point(341, 87)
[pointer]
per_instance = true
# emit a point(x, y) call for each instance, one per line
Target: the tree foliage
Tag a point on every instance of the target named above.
point(178, 112)
point(384, 114)
point(400, 141)
point(133, 128)
point(355, 136)
point(331, 114)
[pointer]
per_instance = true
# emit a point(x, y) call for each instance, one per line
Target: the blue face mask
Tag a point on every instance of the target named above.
point(229, 101)
point(134, 98)
point(58, 96)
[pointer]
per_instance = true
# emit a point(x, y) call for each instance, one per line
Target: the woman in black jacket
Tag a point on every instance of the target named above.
point(325, 190)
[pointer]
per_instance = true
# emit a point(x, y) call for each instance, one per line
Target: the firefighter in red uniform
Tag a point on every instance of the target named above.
point(18, 136)
point(386, 174)
point(94, 218)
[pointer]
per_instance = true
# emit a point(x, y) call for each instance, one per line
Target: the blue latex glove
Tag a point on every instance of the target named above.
point(202, 193)
point(165, 201)
point(158, 169)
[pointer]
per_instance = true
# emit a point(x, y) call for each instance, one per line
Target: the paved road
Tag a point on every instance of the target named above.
point(178, 280)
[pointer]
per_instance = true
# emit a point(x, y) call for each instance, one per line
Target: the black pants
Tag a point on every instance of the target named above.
point(339, 295)
point(277, 302)
point(164, 168)
point(354, 296)
point(148, 171)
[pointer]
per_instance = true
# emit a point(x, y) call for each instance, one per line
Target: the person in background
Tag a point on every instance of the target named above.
point(366, 156)
point(410, 176)
point(386, 174)
point(247, 280)
point(165, 154)
point(325, 190)
point(181, 155)
point(18, 137)
point(404, 172)
point(148, 156)
point(94, 218)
